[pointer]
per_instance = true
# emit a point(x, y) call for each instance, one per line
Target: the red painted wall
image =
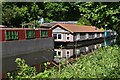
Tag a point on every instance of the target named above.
point(37, 34)
point(49, 33)
point(2, 35)
point(22, 34)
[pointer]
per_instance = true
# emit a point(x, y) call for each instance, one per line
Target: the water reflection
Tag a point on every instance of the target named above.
point(76, 51)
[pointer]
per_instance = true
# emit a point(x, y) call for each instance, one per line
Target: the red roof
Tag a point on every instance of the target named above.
point(78, 28)
point(23, 29)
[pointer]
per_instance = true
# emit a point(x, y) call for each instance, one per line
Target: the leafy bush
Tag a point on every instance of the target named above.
point(23, 70)
point(102, 63)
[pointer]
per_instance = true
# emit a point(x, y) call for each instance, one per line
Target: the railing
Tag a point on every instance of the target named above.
point(109, 33)
point(91, 36)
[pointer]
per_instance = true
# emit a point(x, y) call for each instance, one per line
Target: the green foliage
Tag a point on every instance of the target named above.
point(102, 63)
point(23, 71)
point(35, 11)
point(55, 11)
point(84, 21)
point(14, 14)
point(101, 14)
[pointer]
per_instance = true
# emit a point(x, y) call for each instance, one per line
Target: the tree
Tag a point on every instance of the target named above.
point(84, 21)
point(14, 14)
point(101, 14)
point(104, 15)
point(55, 11)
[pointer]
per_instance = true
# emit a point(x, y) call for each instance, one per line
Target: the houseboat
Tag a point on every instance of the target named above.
point(76, 39)
point(35, 46)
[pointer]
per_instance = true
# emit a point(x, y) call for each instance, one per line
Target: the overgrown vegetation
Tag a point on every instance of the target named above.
point(23, 70)
point(102, 63)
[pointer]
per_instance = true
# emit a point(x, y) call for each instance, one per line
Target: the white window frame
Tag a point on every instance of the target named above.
point(87, 35)
point(67, 54)
point(95, 46)
point(57, 36)
point(57, 53)
point(114, 40)
point(95, 35)
point(100, 34)
point(86, 48)
point(115, 33)
point(77, 51)
point(100, 45)
point(67, 36)
point(53, 35)
point(78, 36)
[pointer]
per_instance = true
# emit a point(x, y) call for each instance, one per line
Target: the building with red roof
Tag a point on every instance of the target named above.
point(72, 36)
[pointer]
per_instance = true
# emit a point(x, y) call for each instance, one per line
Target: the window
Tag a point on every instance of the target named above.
point(59, 53)
point(59, 36)
point(87, 35)
point(44, 33)
point(114, 40)
point(100, 34)
point(55, 36)
point(95, 35)
point(100, 45)
point(30, 34)
point(11, 35)
point(68, 36)
point(77, 36)
point(115, 33)
point(77, 51)
point(86, 48)
point(55, 53)
point(67, 53)
point(95, 46)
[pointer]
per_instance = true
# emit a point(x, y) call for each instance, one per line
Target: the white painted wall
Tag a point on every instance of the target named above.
point(64, 52)
point(64, 35)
